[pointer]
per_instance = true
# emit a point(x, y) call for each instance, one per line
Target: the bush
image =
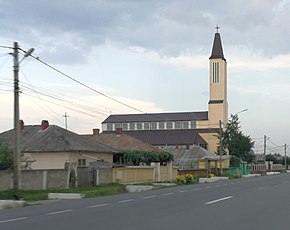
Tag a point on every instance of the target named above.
point(185, 178)
point(6, 157)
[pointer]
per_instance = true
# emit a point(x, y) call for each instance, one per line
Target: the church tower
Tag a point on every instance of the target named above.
point(218, 104)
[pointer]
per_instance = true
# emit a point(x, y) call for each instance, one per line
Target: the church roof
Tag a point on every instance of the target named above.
point(168, 137)
point(217, 49)
point(152, 117)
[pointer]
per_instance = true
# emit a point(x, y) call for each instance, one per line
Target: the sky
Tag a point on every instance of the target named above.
point(133, 56)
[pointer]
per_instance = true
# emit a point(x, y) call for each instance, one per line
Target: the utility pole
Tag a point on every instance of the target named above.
point(16, 162)
point(65, 118)
point(17, 151)
point(220, 147)
point(265, 147)
point(285, 160)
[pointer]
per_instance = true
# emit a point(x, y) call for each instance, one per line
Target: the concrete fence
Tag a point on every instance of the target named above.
point(83, 177)
point(36, 179)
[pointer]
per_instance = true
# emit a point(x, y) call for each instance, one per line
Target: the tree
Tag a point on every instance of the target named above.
point(6, 156)
point(235, 142)
point(135, 157)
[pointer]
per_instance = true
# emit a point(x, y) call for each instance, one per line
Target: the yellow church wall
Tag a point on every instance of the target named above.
point(218, 90)
point(217, 112)
point(212, 140)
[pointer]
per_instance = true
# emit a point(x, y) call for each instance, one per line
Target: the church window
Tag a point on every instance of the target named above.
point(161, 125)
point(193, 124)
point(132, 126)
point(215, 72)
point(125, 126)
point(154, 125)
point(177, 125)
point(139, 126)
point(117, 125)
point(109, 127)
point(169, 125)
point(185, 125)
point(146, 125)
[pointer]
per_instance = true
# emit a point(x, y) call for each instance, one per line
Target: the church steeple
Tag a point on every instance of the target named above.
point(218, 105)
point(217, 49)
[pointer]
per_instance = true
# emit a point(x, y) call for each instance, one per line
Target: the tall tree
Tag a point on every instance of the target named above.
point(6, 156)
point(235, 142)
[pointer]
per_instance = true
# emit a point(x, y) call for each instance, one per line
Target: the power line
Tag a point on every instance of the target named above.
point(86, 86)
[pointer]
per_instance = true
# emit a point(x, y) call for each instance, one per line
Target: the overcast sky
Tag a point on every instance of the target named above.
point(150, 55)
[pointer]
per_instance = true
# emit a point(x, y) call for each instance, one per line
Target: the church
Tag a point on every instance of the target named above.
point(183, 128)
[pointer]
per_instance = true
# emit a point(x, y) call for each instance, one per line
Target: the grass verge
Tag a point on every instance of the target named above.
point(36, 195)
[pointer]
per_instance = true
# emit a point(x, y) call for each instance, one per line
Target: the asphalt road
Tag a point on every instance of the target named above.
point(255, 203)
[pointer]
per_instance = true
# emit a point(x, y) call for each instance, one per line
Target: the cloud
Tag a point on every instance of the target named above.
point(61, 29)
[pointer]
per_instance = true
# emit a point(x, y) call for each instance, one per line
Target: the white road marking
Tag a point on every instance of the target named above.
point(166, 194)
point(124, 201)
point(12, 220)
point(59, 212)
point(195, 189)
point(218, 200)
point(148, 197)
point(97, 205)
point(183, 191)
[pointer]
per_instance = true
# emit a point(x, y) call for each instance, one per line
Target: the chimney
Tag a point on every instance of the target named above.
point(176, 146)
point(187, 146)
point(119, 131)
point(44, 124)
point(21, 125)
point(96, 132)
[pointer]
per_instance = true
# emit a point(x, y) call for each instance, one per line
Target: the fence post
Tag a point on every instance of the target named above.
point(98, 177)
point(169, 171)
point(44, 180)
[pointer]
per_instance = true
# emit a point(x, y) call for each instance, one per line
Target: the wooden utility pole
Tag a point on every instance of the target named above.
point(285, 160)
point(265, 147)
point(220, 147)
point(16, 162)
point(17, 151)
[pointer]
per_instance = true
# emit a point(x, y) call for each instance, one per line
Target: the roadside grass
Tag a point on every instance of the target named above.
point(36, 195)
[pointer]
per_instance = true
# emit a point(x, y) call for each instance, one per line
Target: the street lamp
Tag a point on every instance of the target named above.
point(17, 152)
point(221, 141)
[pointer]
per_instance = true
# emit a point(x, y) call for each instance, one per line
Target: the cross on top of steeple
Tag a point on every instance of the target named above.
point(217, 28)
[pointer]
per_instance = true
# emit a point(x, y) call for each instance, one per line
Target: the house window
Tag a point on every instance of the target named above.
point(215, 72)
point(169, 125)
point(154, 125)
point(82, 162)
point(146, 125)
point(177, 125)
point(161, 125)
point(109, 127)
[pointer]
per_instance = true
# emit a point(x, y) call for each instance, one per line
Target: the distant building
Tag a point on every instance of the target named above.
point(182, 128)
